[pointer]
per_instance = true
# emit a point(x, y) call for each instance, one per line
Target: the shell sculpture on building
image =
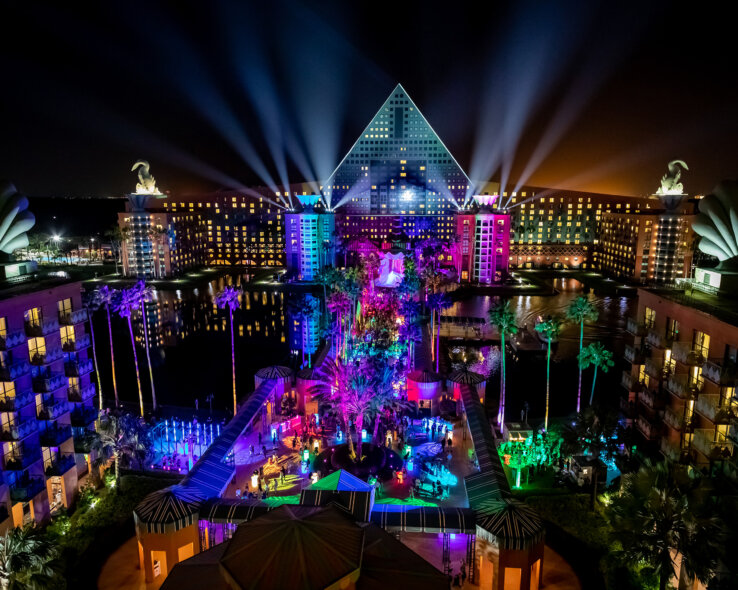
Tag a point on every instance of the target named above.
point(717, 224)
point(15, 219)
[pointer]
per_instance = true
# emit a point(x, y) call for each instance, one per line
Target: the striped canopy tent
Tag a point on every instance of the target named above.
point(424, 519)
point(343, 488)
point(169, 510)
point(509, 523)
point(230, 511)
point(277, 373)
point(423, 385)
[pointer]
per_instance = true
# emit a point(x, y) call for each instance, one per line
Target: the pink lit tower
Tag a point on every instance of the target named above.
point(483, 249)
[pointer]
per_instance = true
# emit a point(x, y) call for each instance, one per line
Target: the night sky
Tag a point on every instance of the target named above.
point(209, 91)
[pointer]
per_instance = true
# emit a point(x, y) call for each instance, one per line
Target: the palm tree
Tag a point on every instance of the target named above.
point(340, 304)
point(550, 329)
point(128, 301)
point(665, 509)
point(107, 297)
point(308, 307)
point(503, 318)
point(122, 438)
point(228, 297)
point(335, 382)
point(437, 302)
point(117, 235)
point(146, 294)
point(25, 559)
point(595, 354)
point(581, 310)
point(91, 303)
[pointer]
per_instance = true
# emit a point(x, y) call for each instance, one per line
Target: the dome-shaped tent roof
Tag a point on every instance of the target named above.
point(466, 377)
point(170, 509)
point(424, 376)
point(274, 372)
point(510, 523)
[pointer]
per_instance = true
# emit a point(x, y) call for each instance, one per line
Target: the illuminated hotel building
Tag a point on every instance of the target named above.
point(482, 250)
point(310, 243)
point(647, 247)
point(47, 399)
point(680, 384)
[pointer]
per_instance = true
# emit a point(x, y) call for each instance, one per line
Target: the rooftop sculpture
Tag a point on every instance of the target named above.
point(15, 219)
point(670, 184)
point(146, 182)
point(717, 224)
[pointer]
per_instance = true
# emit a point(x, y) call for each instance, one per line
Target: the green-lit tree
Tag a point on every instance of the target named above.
point(26, 557)
point(503, 318)
point(580, 311)
point(664, 510)
point(595, 355)
point(228, 298)
point(550, 329)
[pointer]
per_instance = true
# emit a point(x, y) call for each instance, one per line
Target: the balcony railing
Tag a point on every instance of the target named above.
point(12, 339)
point(44, 384)
point(683, 386)
point(684, 353)
point(628, 381)
point(27, 489)
point(655, 368)
point(83, 416)
point(77, 316)
point(77, 395)
point(675, 419)
point(53, 437)
point(704, 441)
point(627, 407)
point(649, 399)
point(43, 328)
point(83, 443)
point(12, 371)
point(17, 432)
point(650, 431)
point(20, 460)
point(719, 372)
point(79, 343)
point(635, 327)
point(52, 411)
point(671, 450)
point(16, 402)
point(78, 368)
point(633, 355)
point(59, 465)
point(51, 355)
point(709, 406)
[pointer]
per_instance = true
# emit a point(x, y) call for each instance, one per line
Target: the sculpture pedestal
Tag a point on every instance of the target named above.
point(715, 282)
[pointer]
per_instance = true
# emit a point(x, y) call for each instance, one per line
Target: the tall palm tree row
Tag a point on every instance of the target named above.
point(26, 555)
point(228, 298)
point(503, 318)
point(146, 294)
point(665, 509)
point(91, 303)
point(128, 301)
point(107, 298)
point(550, 329)
point(595, 355)
point(581, 310)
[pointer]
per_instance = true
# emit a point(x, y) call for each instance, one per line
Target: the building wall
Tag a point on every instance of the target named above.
point(681, 378)
point(482, 249)
point(46, 398)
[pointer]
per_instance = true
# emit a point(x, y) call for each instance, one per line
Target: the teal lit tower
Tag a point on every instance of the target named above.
point(310, 238)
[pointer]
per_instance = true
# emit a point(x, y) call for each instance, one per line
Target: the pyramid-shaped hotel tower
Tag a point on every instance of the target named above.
point(398, 166)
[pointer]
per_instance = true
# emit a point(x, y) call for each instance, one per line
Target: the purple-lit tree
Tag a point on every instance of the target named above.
point(228, 298)
point(128, 301)
point(146, 294)
point(503, 318)
point(107, 296)
point(91, 302)
point(339, 304)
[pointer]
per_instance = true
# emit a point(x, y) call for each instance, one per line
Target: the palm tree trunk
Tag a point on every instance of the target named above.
point(594, 380)
point(501, 413)
point(433, 332)
point(233, 362)
point(438, 340)
point(135, 364)
point(377, 420)
point(548, 382)
point(94, 360)
point(112, 356)
point(148, 355)
point(359, 438)
point(581, 343)
point(349, 440)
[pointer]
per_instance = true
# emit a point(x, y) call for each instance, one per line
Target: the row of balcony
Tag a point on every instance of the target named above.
point(26, 489)
point(719, 372)
point(21, 458)
point(59, 465)
point(650, 398)
point(684, 386)
point(41, 327)
point(629, 381)
point(684, 353)
point(704, 441)
point(55, 435)
point(655, 368)
point(647, 428)
point(52, 410)
point(634, 355)
point(635, 327)
point(657, 340)
point(12, 431)
point(83, 416)
point(78, 368)
point(674, 418)
point(79, 343)
point(71, 318)
point(46, 382)
point(45, 358)
point(11, 340)
point(710, 407)
point(14, 370)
